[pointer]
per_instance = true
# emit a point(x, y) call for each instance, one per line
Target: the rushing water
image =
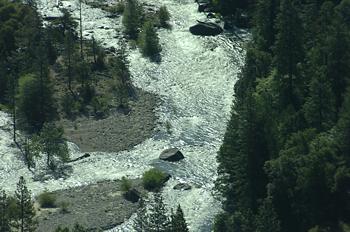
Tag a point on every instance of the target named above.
point(195, 82)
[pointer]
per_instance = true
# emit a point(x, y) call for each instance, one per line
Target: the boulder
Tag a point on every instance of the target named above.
point(206, 28)
point(182, 186)
point(132, 195)
point(172, 155)
point(202, 7)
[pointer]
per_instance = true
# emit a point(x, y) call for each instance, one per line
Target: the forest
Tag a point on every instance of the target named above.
point(284, 163)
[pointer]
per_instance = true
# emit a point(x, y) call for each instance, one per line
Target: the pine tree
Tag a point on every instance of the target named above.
point(159, 221)
point(288, 52)
point(319, 108)
point(141, 220)
point(53, 143)
point(132, 18)
point(178, 222)
point(267, 220)
point(4, 215)
point(149, 41)
point(26, 222)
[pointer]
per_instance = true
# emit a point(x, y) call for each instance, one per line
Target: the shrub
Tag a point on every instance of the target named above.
point(149, 41)
point(153, 179)
point(69, 105)
point(126, 184)
point(163, 16)
point(100, 105)
point(47, 200)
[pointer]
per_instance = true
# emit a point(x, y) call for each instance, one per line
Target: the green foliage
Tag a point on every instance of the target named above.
point(100, 105)
point(163, 16)
point(153, 179)
point(149, 41)
point(5, 220)
point(47, 200)
point(125, 184)
point(132, 18)
point(35, 102)
point(178, 222)
point(54, 145)
point(154, 218)
point(284, 163)
point(26, 213)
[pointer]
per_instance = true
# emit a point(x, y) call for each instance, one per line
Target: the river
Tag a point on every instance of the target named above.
point(194, 80)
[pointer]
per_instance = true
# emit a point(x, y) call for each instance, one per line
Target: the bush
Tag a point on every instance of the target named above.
point(149, 41)
point(126, 184)
point(163, 16)
point(153, 179)
point(47, 200)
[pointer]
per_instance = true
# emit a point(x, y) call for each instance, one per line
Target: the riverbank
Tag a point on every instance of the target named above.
point(119, 131)
point(98, 206)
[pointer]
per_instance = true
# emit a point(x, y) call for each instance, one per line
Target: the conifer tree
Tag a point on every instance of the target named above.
point(26, 222)
point(178, 222)
point(149, 41)
point(132, 18)
point(4, 215)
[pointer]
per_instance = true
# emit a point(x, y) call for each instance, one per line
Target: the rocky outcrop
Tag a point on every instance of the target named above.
point(172, 155)
point(182, 186)
point(206, 29)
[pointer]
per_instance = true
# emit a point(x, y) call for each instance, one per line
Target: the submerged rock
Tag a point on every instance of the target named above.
point(202, 7)
point(182, 186)
point(172, 155)
point(206, 28)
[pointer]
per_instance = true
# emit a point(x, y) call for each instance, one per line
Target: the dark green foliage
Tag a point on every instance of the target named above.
point(153, 218)
point(35, 102)
point(132, 18)
point(26, 211)
point(163, 16)
point(4, 214)
point(149, 41)
point(178, 222)
point(47, 200)
point(153, 179)
point(53, 144)
point(284, 164)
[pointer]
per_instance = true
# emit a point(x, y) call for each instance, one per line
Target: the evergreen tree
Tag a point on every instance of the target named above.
point(141, 220)
point(267, 220)
point(35, 102)
point(26, 221)
point(158, 219)
point(319, 108)
point(53, 144)
point(178, 222)
point(4, 215)
point(288, 52)
point(149, 41)
point(132, 18)
point(163, 16)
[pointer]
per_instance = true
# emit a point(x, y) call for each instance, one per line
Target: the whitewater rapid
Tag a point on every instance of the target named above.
point(194, 80)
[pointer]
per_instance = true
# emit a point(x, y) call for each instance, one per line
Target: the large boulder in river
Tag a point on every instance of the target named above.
point(202, 7)
point(206, 28)
point(182, 186)
point(172, 155)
